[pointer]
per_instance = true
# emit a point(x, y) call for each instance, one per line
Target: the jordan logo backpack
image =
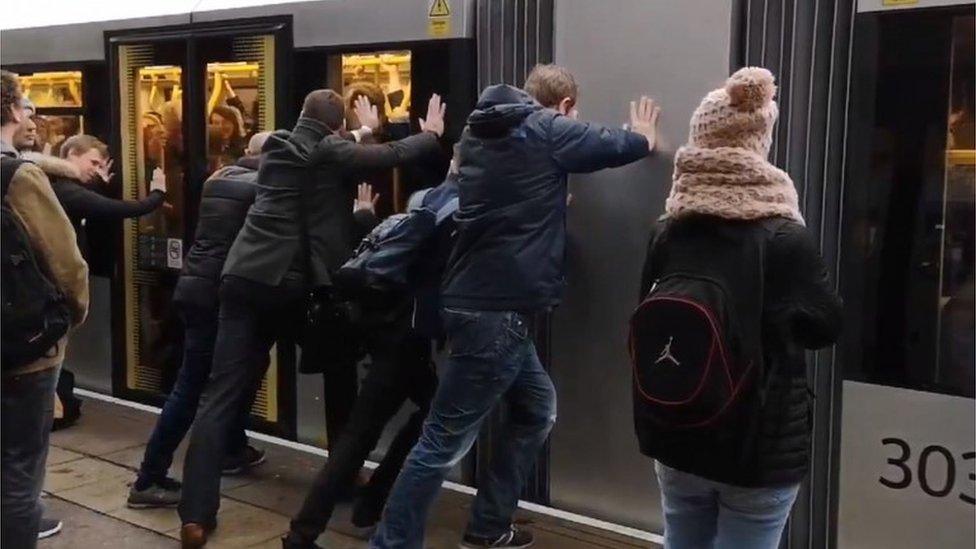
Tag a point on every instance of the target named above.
point(684, 349)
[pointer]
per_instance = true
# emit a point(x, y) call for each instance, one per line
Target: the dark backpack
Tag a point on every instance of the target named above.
point(690, 370)
point(386, 263)
point(35, 312)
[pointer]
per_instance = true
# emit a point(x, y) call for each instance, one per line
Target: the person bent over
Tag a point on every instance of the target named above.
point(299, 230)
point(507, 264)
point(227, 195)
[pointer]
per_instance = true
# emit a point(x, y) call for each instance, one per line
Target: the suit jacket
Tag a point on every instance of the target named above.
point(315, 169)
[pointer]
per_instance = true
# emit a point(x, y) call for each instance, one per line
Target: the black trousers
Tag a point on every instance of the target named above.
point(401, 369)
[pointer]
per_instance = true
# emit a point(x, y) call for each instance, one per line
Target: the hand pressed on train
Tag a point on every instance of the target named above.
point(643, 119)
point(367, 114)
point(366, 199)
point(435, 116)
point(158, 182)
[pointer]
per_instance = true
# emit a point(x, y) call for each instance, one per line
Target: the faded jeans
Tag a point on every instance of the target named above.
point(492, 358)
point(704, 514)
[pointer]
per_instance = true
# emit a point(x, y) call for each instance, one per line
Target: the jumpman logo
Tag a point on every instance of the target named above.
point(666, 354)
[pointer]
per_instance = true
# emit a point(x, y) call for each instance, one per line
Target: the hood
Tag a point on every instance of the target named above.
point(249, 162)
point(500, 108)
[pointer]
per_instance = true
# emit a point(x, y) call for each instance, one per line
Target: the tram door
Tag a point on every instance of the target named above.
point(187, 103)
point(907, 456)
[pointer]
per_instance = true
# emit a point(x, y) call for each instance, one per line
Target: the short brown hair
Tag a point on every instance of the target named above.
point(10, 96)
point(549, 84)
point(326, 106)
point(81, 143)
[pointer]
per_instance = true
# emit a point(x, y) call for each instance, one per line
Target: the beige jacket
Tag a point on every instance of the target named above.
point(32, 200)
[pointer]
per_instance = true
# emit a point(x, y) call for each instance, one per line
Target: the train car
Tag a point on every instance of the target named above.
point(876, 129)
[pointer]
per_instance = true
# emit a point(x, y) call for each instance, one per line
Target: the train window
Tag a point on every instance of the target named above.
point(908, 247)
point(232, 110)
point(58, 101)
point(53, 89)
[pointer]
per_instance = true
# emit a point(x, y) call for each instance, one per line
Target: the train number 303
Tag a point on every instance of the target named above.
point(902, 476)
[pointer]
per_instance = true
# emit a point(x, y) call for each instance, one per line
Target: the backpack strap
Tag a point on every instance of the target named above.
point(8, 167)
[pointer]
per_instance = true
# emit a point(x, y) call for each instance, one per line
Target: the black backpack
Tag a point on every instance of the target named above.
point(386, 263)
point(35, 312)
point(689, 368)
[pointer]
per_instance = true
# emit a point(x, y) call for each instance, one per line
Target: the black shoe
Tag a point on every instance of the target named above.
point(288, 543)
point(513, 539)
point(163, 493)
point(235, 465)
point(48, 527)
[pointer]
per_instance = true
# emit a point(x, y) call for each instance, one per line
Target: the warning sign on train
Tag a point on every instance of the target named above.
point(439, 18)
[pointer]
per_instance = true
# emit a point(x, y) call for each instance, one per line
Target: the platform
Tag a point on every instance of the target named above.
point(91, 465)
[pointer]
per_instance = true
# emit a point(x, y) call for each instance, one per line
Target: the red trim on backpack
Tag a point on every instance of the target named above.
point(733, 388)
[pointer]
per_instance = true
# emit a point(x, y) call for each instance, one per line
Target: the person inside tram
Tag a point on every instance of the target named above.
point(227, 195)
point(227, 127)
point(730, 469)
point(398, 340)
point(30, 374)
point(507, 263)
point(298, 231)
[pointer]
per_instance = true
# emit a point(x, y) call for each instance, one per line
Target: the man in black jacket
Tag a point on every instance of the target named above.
point(507, 263)
point(227, 195)
point(300, 228)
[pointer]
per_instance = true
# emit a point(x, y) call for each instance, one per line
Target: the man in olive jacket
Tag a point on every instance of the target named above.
point(27, 398)
point(310, 172)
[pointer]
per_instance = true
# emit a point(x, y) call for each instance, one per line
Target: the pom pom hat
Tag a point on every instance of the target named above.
point(723, 170)
point(740, 115)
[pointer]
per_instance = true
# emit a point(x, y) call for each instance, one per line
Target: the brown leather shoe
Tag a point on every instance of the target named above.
point(193, 535)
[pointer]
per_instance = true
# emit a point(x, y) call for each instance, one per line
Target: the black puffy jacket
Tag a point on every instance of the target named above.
point(784, 304)
point(227, 195)
point(515, 156)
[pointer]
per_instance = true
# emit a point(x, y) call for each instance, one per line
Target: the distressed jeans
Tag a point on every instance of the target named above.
point(704, 514)
point(492, 359)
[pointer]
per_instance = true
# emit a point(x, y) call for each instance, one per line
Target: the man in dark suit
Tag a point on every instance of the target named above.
point(307, 177)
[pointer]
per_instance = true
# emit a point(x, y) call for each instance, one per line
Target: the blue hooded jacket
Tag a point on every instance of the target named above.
point(515, 156)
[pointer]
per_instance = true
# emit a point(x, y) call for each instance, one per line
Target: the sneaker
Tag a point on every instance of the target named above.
point(48, 527)
point(165, 493)
point(513, 539)
point(235, 465)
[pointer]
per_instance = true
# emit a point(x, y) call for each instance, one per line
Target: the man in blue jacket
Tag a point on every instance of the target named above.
point(507, 264)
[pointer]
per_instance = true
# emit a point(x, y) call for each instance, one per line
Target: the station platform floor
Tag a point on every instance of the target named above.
point(91, 464)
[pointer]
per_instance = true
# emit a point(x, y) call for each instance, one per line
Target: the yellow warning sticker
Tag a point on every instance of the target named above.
point(439, 8)
point(899, 2)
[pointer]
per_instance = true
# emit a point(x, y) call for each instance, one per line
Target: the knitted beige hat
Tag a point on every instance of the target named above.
point(723, 170)
point(740, 115)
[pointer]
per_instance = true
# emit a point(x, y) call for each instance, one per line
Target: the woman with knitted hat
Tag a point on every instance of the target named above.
point(730, 462)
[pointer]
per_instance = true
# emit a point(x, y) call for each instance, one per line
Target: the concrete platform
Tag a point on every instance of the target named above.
point(91, 465)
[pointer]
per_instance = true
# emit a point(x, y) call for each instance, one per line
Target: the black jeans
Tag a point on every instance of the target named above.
point(27, 411)
point(181, 405)
point(252, 317)
point(401, 369)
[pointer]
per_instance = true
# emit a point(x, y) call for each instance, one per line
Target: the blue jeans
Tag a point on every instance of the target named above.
point(27, 411)
point(181, 405)
point(701, 513)
point(492, 358)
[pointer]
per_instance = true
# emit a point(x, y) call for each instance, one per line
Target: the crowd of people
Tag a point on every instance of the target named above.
point(288, 242)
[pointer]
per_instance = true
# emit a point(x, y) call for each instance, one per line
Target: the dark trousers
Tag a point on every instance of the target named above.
point(401, 369)
point(26, 413)
point(174, 421)
point(252, 316)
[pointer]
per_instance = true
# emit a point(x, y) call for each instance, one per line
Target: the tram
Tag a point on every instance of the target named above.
point(876, 128)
